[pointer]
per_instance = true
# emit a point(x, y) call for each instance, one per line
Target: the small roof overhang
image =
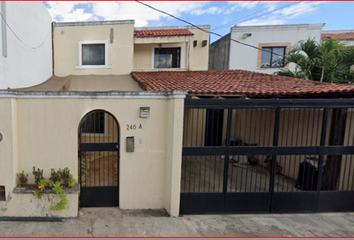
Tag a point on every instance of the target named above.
point(87, 83)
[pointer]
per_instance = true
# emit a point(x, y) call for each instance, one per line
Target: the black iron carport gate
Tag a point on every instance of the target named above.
point(267, 156)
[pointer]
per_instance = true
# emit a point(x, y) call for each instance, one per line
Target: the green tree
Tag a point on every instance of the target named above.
point(327, 61)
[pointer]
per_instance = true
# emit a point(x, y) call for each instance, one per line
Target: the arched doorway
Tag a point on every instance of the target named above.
point(99, 159)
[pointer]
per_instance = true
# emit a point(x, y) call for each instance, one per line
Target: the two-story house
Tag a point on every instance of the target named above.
point(346, 37)
point(270, 44)
point(113, 114)
point(111, 50)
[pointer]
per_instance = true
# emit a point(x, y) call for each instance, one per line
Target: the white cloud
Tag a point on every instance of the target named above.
point(299, 9)
point(268, 21)
point(244, 4)
point(210, 10)
point(110, 10)
point(281, 16)
point(263, 13)
point(239, 5)
point(64, 11)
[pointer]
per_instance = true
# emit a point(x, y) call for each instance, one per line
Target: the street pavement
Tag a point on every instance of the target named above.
point(113, 222)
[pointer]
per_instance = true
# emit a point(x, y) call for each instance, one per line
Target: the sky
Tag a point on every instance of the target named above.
point(220, 15)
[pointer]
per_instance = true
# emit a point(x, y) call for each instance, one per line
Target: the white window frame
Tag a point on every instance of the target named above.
point(168, 45)
point(105, 42)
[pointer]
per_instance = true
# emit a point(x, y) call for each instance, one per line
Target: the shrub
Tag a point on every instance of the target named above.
point(22, 178)
point(71, 181)
point(58, 189)
point(38, 175)
point(37, 195)
point(42, 184)
point(65, 176)
point(55, 176)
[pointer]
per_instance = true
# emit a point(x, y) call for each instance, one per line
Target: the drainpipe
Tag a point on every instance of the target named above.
point(189, 49)
point(3, 29)
point(52, 47)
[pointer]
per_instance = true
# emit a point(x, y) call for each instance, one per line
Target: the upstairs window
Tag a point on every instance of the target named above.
point(93, 54)
point(272, 57)
point(167, 57)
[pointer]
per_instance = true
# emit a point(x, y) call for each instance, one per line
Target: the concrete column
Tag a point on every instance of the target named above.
point(174, 156)
point(8, 150)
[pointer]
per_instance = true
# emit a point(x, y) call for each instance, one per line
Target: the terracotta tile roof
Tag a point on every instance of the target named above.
point(162, 33)
point(223, 82)
point(342, 36)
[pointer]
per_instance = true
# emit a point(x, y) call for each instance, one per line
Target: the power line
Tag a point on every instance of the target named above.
point(19, 38)
point(210, 32)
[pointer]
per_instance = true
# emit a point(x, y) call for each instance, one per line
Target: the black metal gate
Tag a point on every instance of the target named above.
point(275, 156)
point(99, 160)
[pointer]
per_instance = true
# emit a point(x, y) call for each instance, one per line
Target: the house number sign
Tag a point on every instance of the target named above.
point(133, 127)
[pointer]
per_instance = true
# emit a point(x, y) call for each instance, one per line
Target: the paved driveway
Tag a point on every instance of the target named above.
point(98, 222)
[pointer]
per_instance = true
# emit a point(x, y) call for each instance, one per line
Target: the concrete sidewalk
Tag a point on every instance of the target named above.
point(99, 222)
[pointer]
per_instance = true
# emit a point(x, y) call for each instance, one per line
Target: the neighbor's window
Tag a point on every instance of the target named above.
point(272, 57)
point(94, 123)
point(93, 54)
point(167, 58)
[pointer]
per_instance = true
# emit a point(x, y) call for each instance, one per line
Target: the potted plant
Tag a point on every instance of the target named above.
point(268, 161)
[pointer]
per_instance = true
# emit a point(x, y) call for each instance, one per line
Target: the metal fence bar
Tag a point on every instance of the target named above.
point(321, 158)
point(274, 156)
point(226, 163)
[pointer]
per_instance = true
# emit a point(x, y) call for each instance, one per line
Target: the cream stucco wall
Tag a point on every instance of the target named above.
point(194, 58)
point(124, 51)
point(199, 55)
point(119, 35)
point(47, 138)
point(29, 62)
point(142, 56)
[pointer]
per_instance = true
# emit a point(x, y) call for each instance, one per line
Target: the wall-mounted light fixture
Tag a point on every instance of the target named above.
point(246, 35)
point(159, 45)
point(0, 137)
point(204, 43)
point(194, 43)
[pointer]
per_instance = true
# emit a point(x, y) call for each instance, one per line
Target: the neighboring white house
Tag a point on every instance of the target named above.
point(272, 41)
point(25, 44)
point(346, 36)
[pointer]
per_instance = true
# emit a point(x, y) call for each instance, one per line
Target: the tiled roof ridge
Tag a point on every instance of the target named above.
point(342, 36)
point(235, 82)
point(228, 72)
point(162, 33)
